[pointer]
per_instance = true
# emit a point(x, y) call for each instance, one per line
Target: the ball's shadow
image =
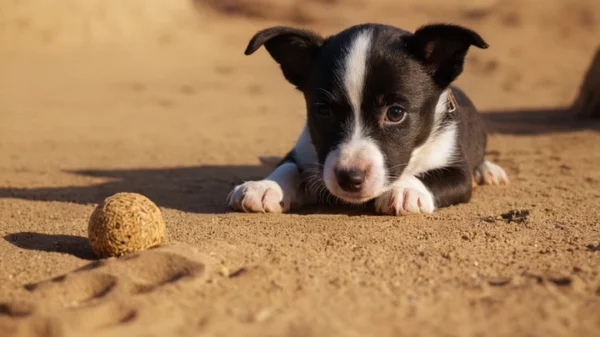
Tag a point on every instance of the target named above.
point(67, 244)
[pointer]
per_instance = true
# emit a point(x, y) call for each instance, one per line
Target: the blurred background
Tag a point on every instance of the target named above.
point(533, 45)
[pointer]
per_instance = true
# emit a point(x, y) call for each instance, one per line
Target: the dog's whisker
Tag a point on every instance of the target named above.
point(398, 166)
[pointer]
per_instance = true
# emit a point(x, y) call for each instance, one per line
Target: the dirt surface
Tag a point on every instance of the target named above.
point(99, 97)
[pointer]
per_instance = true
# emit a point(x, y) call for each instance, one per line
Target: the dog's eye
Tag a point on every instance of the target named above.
point(395, 114)
point(323, 113)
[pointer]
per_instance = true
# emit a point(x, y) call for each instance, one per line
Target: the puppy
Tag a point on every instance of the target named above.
point(384, 123)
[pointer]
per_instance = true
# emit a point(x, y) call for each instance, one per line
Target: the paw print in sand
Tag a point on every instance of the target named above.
point(103, 293)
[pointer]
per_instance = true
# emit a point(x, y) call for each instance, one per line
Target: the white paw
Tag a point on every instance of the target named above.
point(489, 173)
point(408, 196)
point(264, 196)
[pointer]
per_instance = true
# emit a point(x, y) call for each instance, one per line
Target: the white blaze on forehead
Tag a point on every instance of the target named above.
point(355, 69)
point(357, 150)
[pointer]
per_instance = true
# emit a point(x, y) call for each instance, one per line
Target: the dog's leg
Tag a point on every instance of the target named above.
point(435, 189)
point(274, 194)
point(281, 190)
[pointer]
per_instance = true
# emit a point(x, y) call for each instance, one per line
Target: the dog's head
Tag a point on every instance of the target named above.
point(371, 93)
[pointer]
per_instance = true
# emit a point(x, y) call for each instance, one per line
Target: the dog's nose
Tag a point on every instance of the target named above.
point(350, 180)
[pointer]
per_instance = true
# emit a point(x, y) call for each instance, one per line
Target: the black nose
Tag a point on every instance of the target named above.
point(350, 180)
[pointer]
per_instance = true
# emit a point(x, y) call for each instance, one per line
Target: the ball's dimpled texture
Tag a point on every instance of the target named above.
point(125, 223)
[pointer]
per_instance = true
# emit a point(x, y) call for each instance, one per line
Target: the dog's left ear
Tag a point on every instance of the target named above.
point(292, 48)
point(442, 49)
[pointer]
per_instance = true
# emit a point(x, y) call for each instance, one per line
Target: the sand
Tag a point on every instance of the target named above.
point(99, 97)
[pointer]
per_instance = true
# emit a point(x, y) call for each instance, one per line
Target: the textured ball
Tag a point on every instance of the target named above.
point(125, 223)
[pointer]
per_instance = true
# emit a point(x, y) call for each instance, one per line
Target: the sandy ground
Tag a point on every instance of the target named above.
point(99, 97)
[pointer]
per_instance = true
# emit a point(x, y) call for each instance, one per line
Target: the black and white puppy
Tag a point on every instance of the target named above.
point(384, 123)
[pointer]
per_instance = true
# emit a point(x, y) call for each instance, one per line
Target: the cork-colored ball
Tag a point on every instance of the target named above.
point(124, 223)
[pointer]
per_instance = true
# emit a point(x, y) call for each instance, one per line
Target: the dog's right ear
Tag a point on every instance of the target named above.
point(292, 48)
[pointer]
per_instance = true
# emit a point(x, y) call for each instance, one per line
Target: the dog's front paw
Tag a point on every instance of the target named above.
point(264, 196)
point(489, 173)
point(408, 196)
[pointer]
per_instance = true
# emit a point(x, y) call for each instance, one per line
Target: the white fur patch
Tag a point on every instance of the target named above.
point(407, 195)
point(355, 69)
point(306, 155)
point(439, 150)
point(275, 194)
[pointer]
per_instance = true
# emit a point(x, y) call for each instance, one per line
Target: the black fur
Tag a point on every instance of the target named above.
point(442, 49)
point(292, 48)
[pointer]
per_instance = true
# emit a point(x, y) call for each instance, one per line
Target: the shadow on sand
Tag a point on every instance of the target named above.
point(203, 189)
point(536, 121)
point(68, 244)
